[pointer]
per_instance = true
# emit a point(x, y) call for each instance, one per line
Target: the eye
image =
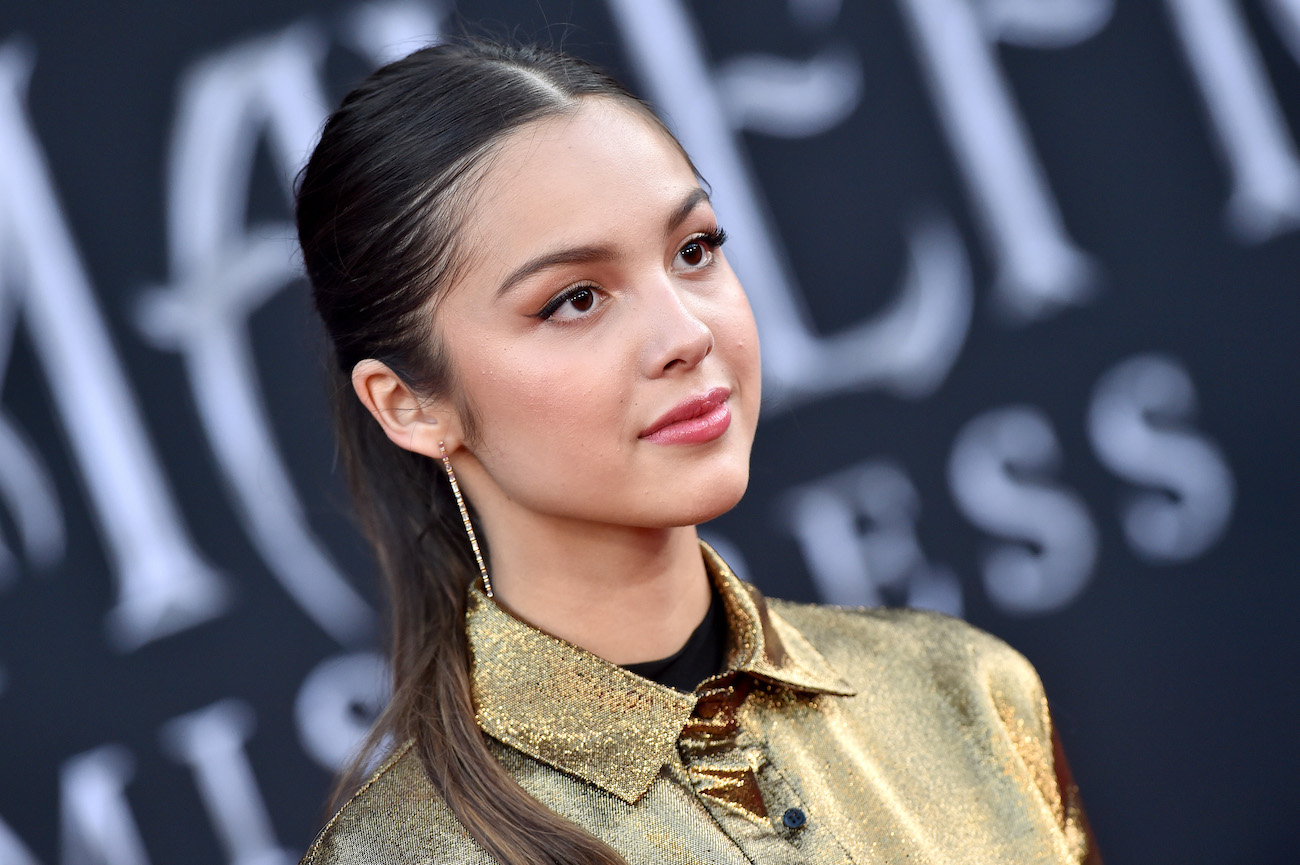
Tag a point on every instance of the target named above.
point(573, 303)
point(694, 254)
point(697, 253)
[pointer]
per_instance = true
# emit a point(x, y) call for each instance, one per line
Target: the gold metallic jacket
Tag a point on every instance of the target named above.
point(836, 736)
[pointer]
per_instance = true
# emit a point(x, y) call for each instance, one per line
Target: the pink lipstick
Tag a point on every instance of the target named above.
point(695, 420)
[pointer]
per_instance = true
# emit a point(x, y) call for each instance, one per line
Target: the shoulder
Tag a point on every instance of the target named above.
point(867, 643)
point(394, 818)
point(888, 630)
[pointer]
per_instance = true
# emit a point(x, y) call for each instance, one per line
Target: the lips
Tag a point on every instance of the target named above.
point(700, 418)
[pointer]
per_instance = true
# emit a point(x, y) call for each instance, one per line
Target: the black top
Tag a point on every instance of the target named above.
point(702, 656)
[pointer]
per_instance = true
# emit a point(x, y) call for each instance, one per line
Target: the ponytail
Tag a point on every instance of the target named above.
point(379, 206)
point(409, 515)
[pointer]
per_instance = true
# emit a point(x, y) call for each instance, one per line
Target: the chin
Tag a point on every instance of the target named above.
point(705, 501)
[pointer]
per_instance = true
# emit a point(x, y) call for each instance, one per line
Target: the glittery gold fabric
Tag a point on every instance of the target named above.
point(834, 736)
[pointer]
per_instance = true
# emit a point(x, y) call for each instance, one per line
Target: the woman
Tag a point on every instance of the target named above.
point(523, 282)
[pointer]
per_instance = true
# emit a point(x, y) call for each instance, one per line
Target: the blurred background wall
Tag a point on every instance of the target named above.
point(1026, 277)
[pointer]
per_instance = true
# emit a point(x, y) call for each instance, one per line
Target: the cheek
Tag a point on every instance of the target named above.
point(737, 333)
point(528, 403)
point(552, 431)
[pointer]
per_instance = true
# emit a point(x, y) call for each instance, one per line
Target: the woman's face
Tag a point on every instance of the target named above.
point(597, 333)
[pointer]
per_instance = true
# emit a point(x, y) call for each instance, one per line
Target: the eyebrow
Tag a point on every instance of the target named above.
point(589, 254)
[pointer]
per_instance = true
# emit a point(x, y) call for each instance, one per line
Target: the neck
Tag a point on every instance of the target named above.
point(627, 595)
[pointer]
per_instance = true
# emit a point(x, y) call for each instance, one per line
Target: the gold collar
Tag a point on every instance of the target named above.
point(583, 715)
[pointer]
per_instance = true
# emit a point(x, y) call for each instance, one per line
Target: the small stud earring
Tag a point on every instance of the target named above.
point(464, 516)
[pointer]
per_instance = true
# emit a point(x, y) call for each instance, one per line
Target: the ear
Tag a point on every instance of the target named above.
point(410, 422)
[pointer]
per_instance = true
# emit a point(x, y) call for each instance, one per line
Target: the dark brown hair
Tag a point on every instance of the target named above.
point(379, 207)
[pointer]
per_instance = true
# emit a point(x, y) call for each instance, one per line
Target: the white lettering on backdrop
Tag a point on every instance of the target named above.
point(787, 98)
point(98, 828)
point(1039, 267)
point(338, 703)
point(1043, 23)
point(211, 742)
point(909, 348)
point(857, 531)
point(222, 271)
point(1000, 472)
point(12, 849)
point(163, 585)
point(1244, 113)
point(1137, 423)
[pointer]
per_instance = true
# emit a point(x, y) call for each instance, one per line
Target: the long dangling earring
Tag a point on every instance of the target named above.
point(464, 515)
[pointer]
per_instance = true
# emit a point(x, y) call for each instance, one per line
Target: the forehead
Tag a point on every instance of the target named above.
point(601, 170)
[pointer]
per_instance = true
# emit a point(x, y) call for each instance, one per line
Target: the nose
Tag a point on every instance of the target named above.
point(678, 338)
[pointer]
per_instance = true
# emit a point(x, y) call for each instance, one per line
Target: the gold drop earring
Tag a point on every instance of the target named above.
point(464, 516)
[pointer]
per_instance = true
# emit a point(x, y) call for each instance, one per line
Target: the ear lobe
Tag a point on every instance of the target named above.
point(410, 422)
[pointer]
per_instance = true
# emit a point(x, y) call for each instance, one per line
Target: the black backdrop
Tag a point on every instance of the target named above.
point(1025, 275)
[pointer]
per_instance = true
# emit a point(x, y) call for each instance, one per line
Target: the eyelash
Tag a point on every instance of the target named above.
point(711, 239)
point(554, 304)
